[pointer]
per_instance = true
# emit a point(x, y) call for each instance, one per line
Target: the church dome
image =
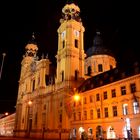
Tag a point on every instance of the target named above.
point(98, 47)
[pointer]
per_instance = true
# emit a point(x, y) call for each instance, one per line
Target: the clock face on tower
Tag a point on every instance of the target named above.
point(76, 33)
point(63, 35)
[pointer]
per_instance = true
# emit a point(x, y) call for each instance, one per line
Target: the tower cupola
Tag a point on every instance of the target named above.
point(70, 11)
point(31, 47)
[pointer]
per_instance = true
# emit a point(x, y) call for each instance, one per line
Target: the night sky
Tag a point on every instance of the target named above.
point(118, 22)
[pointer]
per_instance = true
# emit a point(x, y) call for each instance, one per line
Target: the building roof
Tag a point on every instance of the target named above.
point(110, 76)
point(98, 47)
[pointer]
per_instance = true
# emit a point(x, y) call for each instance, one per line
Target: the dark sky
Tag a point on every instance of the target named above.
point(117, 21)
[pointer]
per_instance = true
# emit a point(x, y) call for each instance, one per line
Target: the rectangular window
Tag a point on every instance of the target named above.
point(136, 107)
point(91, 98)
point(85, 115)
point(60, 118)
point(98, 113)
point(62, 76)
point(97, 97)
point(76, 75)
point(91, 114)
point(133, 87)
point(63, 43)
point(106, 112)
point(125, 109)
point(100, 68)
point(79, 115)
point(105, 95)
point(114, 111)
point(85, 100)
point(76, 43)
point(123, 90)
point(33, 87)
point(113, 91)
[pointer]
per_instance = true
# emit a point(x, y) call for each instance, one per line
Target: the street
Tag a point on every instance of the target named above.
point(16, 138)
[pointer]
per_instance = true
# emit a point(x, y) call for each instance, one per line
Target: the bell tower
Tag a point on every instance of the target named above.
point(70, 54)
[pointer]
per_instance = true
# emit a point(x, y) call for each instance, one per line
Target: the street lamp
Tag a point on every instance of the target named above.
point(4, 54)
point(4, 115)
point(29, 125)
point(77, 97)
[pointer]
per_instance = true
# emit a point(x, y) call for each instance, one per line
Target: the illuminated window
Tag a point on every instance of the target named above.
point(115, 113)
point(106, 112)
point(123, 90)
point(133, 87)
point(139, 132)
point(125, 109)
point(113, 91)
point(136, 107)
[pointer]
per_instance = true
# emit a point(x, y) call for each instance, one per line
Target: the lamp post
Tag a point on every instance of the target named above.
point(4, 54)
point(77, 97)
point(29, 119)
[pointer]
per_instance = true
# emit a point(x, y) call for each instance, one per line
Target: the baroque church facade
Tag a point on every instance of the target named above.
point(108, 106)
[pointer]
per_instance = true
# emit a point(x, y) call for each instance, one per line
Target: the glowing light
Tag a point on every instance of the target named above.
point(6, 113)
point(30, 103)
point(76, 97)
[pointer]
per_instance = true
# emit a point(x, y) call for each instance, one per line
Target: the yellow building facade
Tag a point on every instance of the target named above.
point(108, 106)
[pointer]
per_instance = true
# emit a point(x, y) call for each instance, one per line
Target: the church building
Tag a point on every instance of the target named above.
point(87, 96)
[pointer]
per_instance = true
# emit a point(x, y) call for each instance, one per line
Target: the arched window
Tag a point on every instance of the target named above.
point(33, 86)
point(136, 107)
point(100, 67)
point(76, 43)
point(125, 109)
point(89, 70)
point(111, 133)
point(63, 44)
